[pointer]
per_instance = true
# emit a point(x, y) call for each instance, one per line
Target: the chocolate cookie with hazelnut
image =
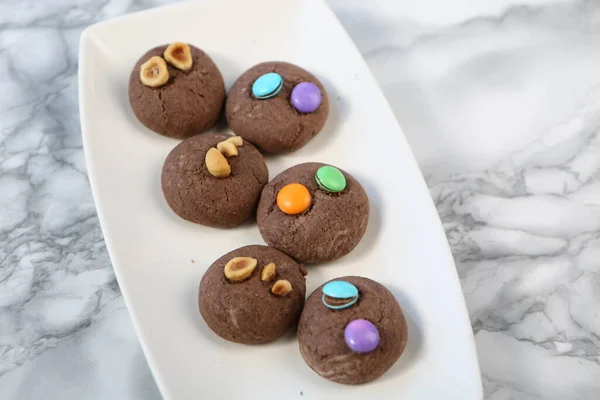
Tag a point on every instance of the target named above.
point(252, 295)
point(214, 179)
point(176, 90)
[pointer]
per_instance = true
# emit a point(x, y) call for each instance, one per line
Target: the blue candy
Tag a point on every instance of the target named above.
point(338, 295)
point(267, 86)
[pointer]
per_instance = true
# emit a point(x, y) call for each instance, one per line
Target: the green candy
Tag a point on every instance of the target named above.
point(330, 179)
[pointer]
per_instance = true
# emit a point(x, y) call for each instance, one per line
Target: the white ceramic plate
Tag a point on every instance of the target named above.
point(159, 258)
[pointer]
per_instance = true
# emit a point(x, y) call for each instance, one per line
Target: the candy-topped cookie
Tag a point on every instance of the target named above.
point(252, 295)
point(176, 90)
point(352, 330)
point(214, 179)
point(277, 106)
point(313, 212)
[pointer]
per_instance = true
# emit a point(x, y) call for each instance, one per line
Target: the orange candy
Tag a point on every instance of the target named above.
point(293, 199)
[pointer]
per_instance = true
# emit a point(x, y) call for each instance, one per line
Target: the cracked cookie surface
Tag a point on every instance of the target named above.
point(197, 196)
point(189, 103)
point(273, 124)
point(247, 311)
point(330, 228)
point(321, 333)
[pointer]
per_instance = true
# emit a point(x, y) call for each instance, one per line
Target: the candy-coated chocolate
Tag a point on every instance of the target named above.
point(330, 179)
point(338, 295)
point(267, 86)
point(340, 289)
point(306, 97)
point(293, 199)
point(361, 336)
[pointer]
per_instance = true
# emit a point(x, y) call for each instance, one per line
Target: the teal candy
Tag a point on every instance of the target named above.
point(340, 290)
point(330, 179)
point(267, 86)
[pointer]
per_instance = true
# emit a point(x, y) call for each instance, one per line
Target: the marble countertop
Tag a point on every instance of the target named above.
point(500, 101)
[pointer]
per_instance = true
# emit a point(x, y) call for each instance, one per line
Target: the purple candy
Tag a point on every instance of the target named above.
point(361, 336)
point(306, 97)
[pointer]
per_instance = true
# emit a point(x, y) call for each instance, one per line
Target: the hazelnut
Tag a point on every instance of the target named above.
point(239, 268)
point(154, 72)
point(268, 272)
point(228, 149)
point(179, 55)
point(217, 164)
point(281, 288)
point(237, 140)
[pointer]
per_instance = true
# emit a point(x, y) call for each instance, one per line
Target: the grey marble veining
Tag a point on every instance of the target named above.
point(500, 101)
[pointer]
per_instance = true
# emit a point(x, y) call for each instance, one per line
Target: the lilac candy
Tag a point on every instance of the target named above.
point(306, 97)
point(361, 336)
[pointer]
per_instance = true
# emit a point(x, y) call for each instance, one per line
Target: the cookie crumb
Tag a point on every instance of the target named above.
point(303, 270)
point(193, 262)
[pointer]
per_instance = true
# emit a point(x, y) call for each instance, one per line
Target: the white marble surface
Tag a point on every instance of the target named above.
point(500, 100)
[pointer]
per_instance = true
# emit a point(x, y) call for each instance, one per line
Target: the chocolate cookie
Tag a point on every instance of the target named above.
point(352, 330)
point(284, 118)
point(195, 194)
point(313, 219)
point(190, 101)
point(252, 295)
